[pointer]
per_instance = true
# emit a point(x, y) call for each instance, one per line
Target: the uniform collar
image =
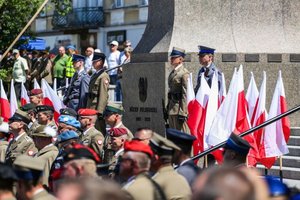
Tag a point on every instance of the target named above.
point(176, 68)
point(87, 130)
point(19, 136)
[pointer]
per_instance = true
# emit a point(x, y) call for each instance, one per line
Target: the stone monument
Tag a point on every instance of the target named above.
point(261, 35)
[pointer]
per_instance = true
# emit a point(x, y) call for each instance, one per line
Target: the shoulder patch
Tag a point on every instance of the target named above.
point(30, 153)
point(99, 142)
point(106, 81)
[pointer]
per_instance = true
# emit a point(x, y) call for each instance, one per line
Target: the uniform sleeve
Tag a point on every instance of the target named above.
point(97, 144)
point(84, 90)
point(49, 161)
point(31, 150)
point(184, 94)
point(103, 94)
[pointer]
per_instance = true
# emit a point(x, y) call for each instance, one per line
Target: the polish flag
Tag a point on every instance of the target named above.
point(222, 93)
point(36, 84)
point(4, 104)
point(51, 99)
point(252, 98)
point(24, 95)
point(276, 134)
point(13, 99)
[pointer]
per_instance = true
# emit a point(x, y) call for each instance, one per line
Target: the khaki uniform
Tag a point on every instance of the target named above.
point(3, 148)
point(177, 99)
point(115, 161)
point(49, 153)
point(140, 187)
point(93, 139)
point(43, 195)
point(36, 124)
point(98, 96)
point(24, 145)
point(173, 184)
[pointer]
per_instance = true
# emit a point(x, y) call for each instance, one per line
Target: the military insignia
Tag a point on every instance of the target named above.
point(30, 153)
point(99, 142)
point(106, 81)
point(143, 86)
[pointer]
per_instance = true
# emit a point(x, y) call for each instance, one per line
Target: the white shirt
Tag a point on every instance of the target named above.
point(113, 61)
point(88, 63)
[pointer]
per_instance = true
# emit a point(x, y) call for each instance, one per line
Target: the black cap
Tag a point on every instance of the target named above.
point(44, 108)
point(181, 139)
point(80, 151)
point(28, 107)
point(237, 144)
point(98, 56)
point(68, 111)
point(7, 172)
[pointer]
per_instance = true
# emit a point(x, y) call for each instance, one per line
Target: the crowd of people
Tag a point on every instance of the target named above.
point(89, 153)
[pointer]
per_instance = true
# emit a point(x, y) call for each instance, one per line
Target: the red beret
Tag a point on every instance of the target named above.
point(117, 132)
point(35, 92)
point(138, 146)
point(87, 112)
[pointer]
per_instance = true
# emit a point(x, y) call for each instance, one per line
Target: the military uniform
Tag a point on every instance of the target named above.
point(35, 125)
point(93, 139)
point(20, 145)
point(177, 99)
point(43, 195)
point(4, 129)
point(3, 148)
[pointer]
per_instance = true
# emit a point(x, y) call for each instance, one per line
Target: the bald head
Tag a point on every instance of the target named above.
point(144, 135)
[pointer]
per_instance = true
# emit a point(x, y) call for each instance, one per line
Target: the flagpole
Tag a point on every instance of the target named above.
point(266, 171)
point(205, 161)
point(280, 168)
point(266, 123)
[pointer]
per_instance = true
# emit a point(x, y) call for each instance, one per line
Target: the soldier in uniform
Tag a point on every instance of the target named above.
point(177, 99)
point(98, 90)
point(186, 166)
point(113, 117)
point(42, 138)
point(206, 58)
point(4, 133)
point(69, 112)
point(29, 171)
point(76, 95)
point(135, 166)
point(36, 97)
point(173, 184)
point(67, 123)
point(90, 137)
point(22, 143)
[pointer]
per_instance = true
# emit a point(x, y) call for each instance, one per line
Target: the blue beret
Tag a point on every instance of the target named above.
point(67, 135)
point(237, 144)
point(71, 47)
point(205, 50)
point(176, 52)
point(276, 187)
point(77, 57)
point(183, 140)
point(69, 120)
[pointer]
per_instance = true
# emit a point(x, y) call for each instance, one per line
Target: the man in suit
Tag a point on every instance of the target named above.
point(22, 143)
point(206, 59)
point(186, 166)
point(42, 137)
point(76, 96)
point(90, 137)
point(177, 99)
point(98, 90)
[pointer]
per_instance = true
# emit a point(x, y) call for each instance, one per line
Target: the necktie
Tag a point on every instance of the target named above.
point(206, 72)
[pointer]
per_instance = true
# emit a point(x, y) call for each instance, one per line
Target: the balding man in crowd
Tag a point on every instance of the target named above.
point(60, 63)
point(144, 135)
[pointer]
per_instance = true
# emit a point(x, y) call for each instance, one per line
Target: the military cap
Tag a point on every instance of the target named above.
point(162, 146)
point(28, 107)
point(276, 187)
point(117, 132)
point(29, 168)
point(77, 57)
point(67, 135)
point(20, 116)
point(135, 145)
point(80, 151)
point(44, 108)
point(176, 52)
point(69, 120)
point(34, 92)
point(7, 172)
point(181, 139)
point(98, 56)
point(237, 144)
point(205, 50)
point(87, 112)
point(4, 128)
point(70, 47)
point(113, 108)
point(68, 111)
point(44, 131)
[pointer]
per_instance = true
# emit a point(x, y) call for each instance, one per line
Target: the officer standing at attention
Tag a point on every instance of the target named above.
point(76, 96)
point(22, 143)
point(206, 59)
point(177, 100)
point(98, 90)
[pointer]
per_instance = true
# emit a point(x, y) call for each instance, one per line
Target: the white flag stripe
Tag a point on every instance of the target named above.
point(252, 95)
point(13, 99)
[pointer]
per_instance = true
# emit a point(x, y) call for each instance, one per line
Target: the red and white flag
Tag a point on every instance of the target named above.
point(24, 95)
point(276, 134)
point(36, 84)
point(222, 93)
point(4, 104)
point(51, 99)
point(252, 98)
point(13, 99)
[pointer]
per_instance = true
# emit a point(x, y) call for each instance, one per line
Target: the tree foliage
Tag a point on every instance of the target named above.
point(15, 14)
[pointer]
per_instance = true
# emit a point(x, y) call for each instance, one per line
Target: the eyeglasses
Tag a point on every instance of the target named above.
point(141, 139)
